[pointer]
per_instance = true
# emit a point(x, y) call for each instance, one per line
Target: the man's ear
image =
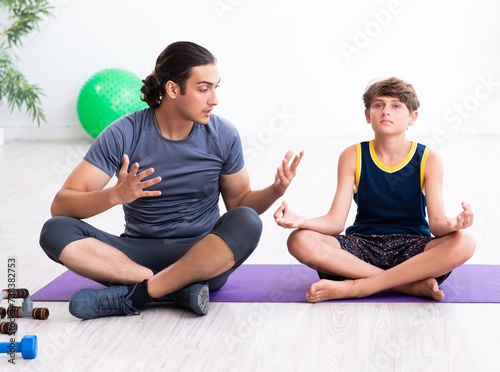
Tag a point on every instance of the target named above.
point(172, 89)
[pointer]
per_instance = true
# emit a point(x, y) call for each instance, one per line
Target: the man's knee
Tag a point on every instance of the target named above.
point(55, 233)
point(240, 228)
point(248, 222)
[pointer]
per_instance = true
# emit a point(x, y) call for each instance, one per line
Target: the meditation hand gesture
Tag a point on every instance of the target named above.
point(285, 217)
point(463, 220)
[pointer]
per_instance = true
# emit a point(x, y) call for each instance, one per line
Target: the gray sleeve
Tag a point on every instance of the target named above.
point(234, 160)
point(106, 152)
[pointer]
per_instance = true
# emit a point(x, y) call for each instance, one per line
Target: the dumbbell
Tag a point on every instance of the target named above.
point(14, 293)
point(28, 347)
point(26, 310)
point(8, 328)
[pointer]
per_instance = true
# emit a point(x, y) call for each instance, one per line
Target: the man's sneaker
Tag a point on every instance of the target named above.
point(193, 297)
point(111, 301)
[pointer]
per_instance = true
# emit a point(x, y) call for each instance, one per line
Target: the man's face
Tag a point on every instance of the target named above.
point(199, 99)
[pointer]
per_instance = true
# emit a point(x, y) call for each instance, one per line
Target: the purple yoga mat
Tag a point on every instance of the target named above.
point(289, 283)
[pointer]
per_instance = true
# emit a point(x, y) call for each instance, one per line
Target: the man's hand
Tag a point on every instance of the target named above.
point(286, 172)
point(130, 185)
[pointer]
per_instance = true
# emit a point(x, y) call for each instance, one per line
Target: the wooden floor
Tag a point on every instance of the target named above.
point(254, 336)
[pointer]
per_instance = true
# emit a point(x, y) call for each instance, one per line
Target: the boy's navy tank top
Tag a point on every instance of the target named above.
point(390, 200)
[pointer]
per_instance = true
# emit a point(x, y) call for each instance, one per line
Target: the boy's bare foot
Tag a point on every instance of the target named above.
point(325, 289)
point(428, 288)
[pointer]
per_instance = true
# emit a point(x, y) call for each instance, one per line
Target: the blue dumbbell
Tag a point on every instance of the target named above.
point(28, 347)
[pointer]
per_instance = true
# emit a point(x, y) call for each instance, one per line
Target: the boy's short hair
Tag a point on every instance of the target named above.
point(392, 87)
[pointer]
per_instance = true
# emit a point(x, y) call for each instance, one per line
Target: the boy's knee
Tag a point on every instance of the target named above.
point(297, 244)
point(293, 241)
point(461, 247)
point(466, 242)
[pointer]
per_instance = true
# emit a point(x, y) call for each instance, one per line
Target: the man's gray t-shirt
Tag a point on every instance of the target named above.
point(189, 168)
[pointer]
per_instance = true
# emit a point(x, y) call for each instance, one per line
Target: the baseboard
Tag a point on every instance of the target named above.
point(44, 132)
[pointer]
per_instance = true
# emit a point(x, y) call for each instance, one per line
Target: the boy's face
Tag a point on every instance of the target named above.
point(389, 114)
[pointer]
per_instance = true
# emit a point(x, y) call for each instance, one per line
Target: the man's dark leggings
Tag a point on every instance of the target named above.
point(240, 229)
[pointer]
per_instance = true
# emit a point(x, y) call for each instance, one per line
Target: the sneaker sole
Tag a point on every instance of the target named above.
point(202, 298)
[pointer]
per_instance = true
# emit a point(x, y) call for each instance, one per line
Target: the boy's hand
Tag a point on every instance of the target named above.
point(284, 217)
point(463, 220)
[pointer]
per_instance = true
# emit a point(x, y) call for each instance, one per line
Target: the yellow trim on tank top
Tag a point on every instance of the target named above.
point(422, 169)
point(397, 167)
point(358, 167)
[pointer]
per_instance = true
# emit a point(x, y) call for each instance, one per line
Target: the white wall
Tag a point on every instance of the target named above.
point(288, 67)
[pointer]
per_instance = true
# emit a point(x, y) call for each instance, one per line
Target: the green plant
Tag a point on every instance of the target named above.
point(23, 17)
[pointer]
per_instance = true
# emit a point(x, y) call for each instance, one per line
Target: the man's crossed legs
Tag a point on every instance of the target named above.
point(138, 271)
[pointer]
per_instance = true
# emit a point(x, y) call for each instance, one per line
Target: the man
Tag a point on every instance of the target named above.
point(172, 161)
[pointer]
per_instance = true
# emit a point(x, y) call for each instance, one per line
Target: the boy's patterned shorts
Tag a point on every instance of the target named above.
point(384, 251)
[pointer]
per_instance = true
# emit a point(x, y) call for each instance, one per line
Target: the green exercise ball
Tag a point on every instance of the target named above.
point(106, 96)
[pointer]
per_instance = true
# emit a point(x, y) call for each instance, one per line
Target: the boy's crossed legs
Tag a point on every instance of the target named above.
point(415, 275)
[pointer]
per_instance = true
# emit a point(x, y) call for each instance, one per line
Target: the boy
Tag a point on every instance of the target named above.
point(390, 245)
